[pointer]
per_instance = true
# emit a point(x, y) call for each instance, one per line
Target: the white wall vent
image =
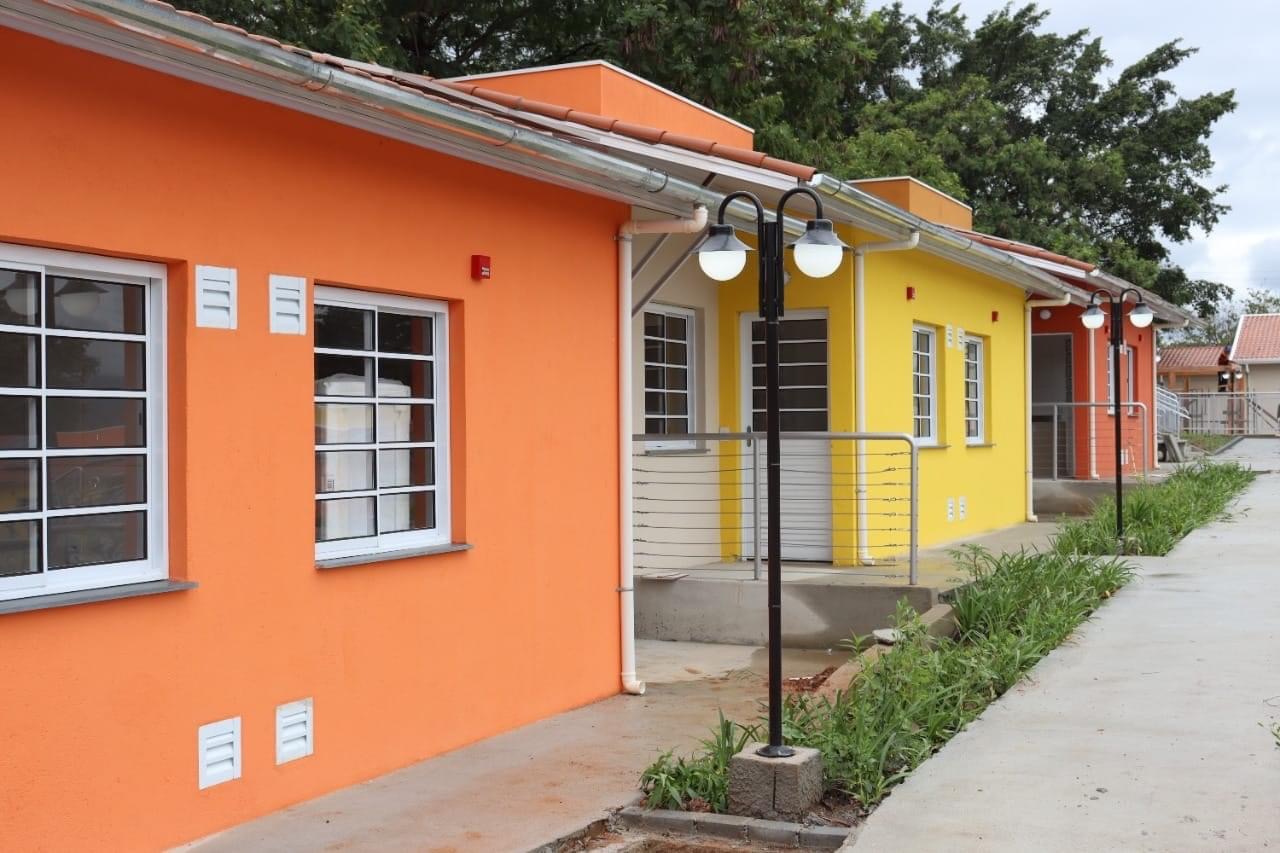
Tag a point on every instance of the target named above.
point(950, 337)
point(288, 304)
point(963, 508)
point(218, 748)
point(216, 297)
point(951, 509)
point(960, 337)
point(295, 730)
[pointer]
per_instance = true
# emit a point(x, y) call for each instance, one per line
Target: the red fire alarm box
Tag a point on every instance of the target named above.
point(480, 268)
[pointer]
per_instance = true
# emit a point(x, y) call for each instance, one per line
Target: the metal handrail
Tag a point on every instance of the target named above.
point(1107, 404)
point(751, 438)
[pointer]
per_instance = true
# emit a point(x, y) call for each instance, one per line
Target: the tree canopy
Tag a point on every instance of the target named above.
point(1033, 128)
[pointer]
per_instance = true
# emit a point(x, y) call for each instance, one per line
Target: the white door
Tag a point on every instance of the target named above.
point(804, 403)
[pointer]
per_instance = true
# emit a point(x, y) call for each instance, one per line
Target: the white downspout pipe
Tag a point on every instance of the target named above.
point(860, 374)
point(1030, 305)
point(631, 683)
point(1093, 412)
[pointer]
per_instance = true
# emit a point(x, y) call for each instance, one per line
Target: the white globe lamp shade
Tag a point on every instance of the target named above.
point(1093, 318)
point(819, 252)
point(1141, 315)
point(722, 255)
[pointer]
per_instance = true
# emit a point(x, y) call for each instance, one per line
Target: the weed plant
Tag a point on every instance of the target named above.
point(911, 700)
point(1157, 516)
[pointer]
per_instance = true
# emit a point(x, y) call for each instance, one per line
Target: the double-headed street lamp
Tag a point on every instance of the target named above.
point(818, 253)
point(1093, 318)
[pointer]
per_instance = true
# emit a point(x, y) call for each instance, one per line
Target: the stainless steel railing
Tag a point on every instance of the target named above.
point(1171, 415)
point(1232, 412)
point(848, 499)
point(1065, 429)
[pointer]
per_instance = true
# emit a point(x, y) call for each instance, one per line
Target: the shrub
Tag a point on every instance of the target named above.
point(911, 700)
point(1158, 516)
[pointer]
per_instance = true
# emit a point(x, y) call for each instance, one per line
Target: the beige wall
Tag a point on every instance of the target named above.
point(1264, 377)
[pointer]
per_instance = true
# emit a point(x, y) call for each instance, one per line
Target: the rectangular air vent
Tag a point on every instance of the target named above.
point(218, 752)
point(295, 731)
point(216, 297)
point(288, 304)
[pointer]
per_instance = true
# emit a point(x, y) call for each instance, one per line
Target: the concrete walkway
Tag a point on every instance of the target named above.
point(1140, 733)
point(1260, 454)
point(515, 791)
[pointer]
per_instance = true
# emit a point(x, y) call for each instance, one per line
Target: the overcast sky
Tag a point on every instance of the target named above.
point(1239, 42)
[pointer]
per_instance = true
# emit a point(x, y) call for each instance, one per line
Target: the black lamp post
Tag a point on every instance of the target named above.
point(1092, 318)
point(723, 256)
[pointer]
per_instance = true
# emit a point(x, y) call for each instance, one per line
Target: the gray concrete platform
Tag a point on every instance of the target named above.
point(1141, 733)
point(821, 605)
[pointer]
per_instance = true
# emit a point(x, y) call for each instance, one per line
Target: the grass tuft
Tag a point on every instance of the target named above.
point(1157, 516)
point(911, 700)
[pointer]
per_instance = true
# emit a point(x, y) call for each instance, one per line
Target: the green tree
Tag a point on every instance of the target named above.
point(1015, 119)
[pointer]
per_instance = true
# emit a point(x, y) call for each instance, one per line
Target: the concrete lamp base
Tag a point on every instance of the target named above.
point(774, 788)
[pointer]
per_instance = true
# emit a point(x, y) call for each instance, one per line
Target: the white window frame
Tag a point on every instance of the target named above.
point(441, 534)
point(155, 566)
point(930, 440)
point(980, 387)
point(690, 367)
point(1129, 355)
point(1131, 375)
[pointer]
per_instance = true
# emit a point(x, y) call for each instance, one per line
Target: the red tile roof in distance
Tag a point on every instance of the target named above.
point(1013, 247)
point(642, 132)
point(1257, 338)
point(1188, 358)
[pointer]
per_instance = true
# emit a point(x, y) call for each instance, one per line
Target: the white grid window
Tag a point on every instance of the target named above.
point(924, 389)
point(668, 373)
point(381, 423)
point(975, 414)
point(81, 422)
point(1131, 362)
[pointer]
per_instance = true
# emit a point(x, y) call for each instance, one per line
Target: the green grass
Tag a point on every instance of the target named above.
point(1157, 516)
point(1207, 442)
point(911, 700)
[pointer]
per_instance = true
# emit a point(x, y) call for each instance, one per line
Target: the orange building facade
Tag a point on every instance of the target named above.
point(119, 177)
point(1066, 357)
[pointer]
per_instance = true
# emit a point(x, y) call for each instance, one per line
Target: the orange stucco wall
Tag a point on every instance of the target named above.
point(921, 199)
point(604, 90)
point(99, 704)
point(1066, 320)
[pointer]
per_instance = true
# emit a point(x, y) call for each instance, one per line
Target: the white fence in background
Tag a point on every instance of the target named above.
point(1231, 413)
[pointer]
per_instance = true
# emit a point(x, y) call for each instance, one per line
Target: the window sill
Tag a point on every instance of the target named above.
point(388, 556)
point(981, 444)
point(932, 446)
point(92, 596)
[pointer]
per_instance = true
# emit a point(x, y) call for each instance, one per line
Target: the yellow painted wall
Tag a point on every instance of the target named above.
point(990, 477)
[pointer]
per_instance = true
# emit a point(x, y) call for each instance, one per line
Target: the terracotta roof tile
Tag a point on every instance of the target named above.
point(1257, 338)
point(608, 124)
point(1198, 357)
point(1016, 248)
point(645, 133)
